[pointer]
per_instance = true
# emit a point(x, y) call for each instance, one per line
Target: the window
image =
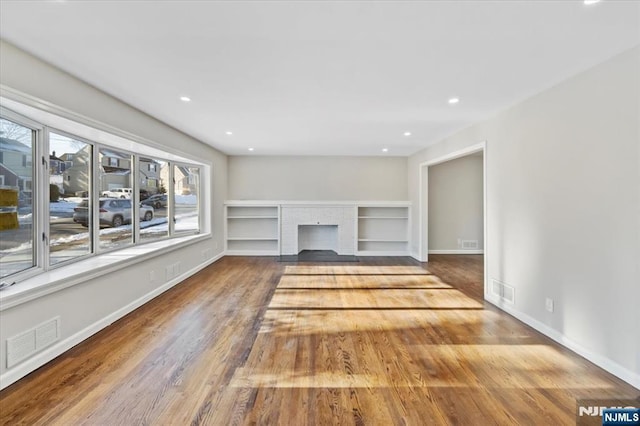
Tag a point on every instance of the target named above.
point(185, 195)
point(70, 230)
point(116, 217)
point(17, 232)
point(158, 226)
point(91, 191)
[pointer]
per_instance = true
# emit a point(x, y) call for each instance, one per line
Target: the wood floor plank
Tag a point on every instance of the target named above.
point(252, 341)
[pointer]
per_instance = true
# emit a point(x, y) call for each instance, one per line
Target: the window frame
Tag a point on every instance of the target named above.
point(198, 195)
point(92, 252)
point(38, 220)
point(41, 126)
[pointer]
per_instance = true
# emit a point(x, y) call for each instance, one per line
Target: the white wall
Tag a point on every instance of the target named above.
point(563, 178)
point(318, 178)
point(456, 204)
point(86, 307)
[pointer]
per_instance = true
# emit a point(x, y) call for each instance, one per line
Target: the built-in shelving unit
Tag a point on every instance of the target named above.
point(252, 229)
point(262, 228)
point(383, 230)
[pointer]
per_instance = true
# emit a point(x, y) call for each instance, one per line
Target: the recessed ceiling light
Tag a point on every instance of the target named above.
point(407, 133)
point(185, 99)
point(385, 150)
point(590, 2)
point(454, 101)
point(228, 133)
point(250, 149)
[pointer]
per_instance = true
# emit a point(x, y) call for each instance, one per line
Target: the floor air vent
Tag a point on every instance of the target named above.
point(503, 291)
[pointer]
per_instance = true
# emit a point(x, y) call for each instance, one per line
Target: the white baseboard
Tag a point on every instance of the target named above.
point(603, 362)
point(38, 360)
point(460, 251)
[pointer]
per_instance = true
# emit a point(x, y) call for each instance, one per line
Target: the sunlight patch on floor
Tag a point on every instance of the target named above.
point(353, 270)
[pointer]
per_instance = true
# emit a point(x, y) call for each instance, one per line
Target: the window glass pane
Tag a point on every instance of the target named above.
point(69, 192)
point(186, 190)
point(115, 210)
point(153, 196)
point(17, 248)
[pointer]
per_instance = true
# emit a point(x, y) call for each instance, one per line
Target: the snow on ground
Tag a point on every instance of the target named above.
point(186, 199)
point(64, 206)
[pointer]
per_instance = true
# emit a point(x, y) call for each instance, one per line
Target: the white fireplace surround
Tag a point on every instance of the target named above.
point(318, 222)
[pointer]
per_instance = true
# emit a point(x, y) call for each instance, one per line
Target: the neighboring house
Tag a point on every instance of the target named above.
point(56, 168)
point(150, 179)
point(16, 166)
point(185, 182)
point(116, 170)
point(68, 160)
point(75, 175)
point(56, 164)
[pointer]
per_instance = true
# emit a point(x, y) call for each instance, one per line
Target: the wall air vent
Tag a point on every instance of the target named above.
point(29, 342)
point(469, 244)
point(503, 291)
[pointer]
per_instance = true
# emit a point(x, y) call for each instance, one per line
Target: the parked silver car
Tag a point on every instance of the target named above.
point(113, 212)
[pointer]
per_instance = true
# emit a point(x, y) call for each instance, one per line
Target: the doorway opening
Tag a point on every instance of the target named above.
point(459, 231)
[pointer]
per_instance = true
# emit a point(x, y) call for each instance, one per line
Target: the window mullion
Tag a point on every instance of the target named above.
point(94, 198)
point(135, 198)
point(171, 200)
point(41, 215)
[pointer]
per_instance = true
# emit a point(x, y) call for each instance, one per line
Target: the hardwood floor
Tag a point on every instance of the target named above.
point(254, 341)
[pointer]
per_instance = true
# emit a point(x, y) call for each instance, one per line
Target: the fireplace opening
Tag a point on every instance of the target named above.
point(318, 237)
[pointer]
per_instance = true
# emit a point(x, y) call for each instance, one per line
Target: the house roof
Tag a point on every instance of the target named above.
point(13, 145)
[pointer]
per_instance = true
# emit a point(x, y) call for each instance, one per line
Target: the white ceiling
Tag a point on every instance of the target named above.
point(326, 77)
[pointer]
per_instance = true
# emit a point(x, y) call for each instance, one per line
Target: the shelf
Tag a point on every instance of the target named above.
point(383, 230)
point(252, 230)
point(381, 212)
point(383, 248)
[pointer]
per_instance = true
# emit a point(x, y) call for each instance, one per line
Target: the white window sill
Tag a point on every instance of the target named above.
point(85, 270)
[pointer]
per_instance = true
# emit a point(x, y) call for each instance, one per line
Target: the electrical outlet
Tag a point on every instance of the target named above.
point(152, 276)
point(549, 304)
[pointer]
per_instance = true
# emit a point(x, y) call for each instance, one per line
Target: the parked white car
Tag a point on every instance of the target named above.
point(118, 193)
point(113, 212)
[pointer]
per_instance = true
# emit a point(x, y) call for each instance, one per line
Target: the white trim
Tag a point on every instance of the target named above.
point(26, 367)
point(459, 251)
point(603, 362)
point(423, 184)
point(84, 270)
